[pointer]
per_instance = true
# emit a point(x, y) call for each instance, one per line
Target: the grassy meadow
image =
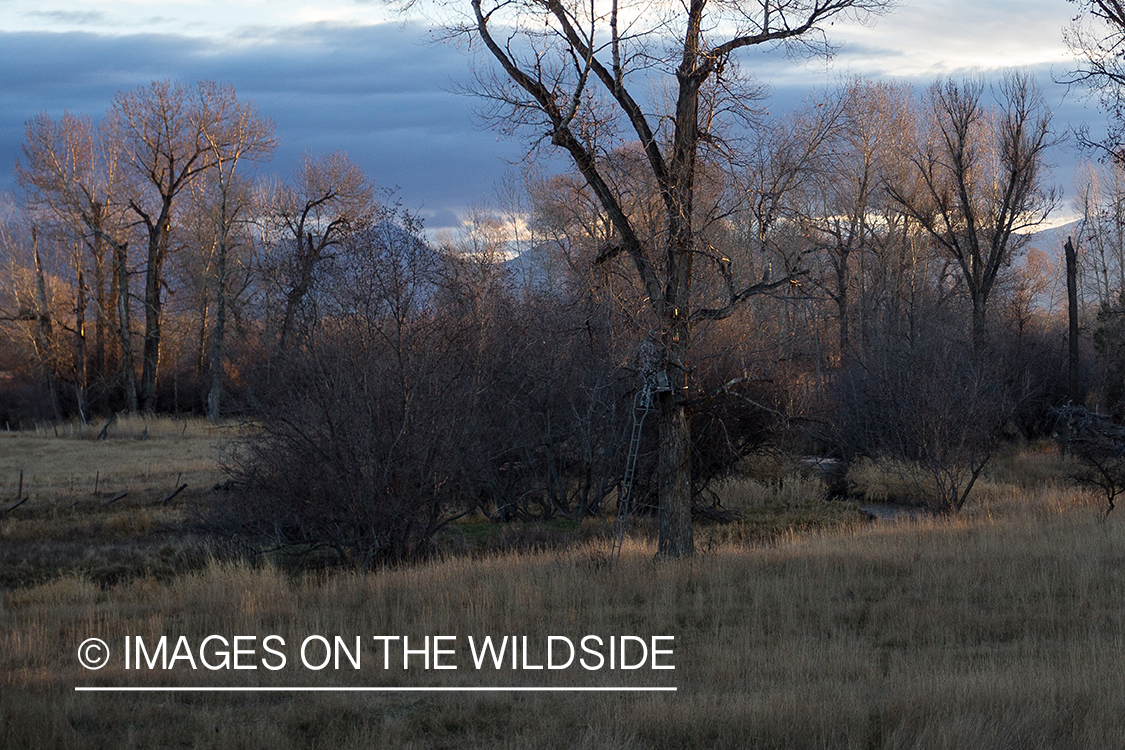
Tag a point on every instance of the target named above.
point(76, 517)
point(800, 625)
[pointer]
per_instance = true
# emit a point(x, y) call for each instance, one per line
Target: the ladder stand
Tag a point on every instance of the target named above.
point(643, 403)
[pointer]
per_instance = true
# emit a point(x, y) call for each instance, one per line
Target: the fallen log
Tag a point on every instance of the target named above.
point(175, 492)
point(114, 500)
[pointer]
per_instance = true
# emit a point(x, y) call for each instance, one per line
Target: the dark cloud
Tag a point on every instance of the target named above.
point(1070, 108)
point(379, 93)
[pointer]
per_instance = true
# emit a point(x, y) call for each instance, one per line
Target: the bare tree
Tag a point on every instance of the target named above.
point(849, 215)
point(576, 74)
point(982, 179)
point(170, 133)
point(44, 323)
point(1109, 344)
point(26, 303)
point(328, 197)
point(1095, 37)
point(780, 169)
point(249, 138)
point(72, 177)
point(1101, 196)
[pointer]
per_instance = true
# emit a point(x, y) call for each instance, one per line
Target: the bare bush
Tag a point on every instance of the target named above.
point(361, 452)
point(1098, 441)
point(930, 402)
point(426, 391)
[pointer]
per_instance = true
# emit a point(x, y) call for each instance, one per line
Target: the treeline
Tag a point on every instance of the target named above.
point(898, 311)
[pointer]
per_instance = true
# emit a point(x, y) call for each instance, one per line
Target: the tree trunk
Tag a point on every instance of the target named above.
point(980, 323)
point(841, 297)
point(1072, 388)
point(43, 329)
point(80, 373)
point(676, 537)
point(154, 276)
point(307, 256)
point(202, 364)
point(215, 392)
point(101, 301)
point(674, 465)
point(151, 351)
point(125, 335)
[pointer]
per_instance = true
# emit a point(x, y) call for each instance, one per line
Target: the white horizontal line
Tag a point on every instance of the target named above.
point(372, 689)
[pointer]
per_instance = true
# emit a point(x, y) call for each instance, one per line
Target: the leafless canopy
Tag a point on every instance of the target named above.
point(592, 77)
point(1097, 39)
point(981, 178)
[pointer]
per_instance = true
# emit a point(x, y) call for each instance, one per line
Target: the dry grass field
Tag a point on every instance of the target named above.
point(72, 520)
point(1003, 627)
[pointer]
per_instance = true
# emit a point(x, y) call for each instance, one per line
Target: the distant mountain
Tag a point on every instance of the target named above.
point(385, 259)
point(542, 269)
point(1051, 240)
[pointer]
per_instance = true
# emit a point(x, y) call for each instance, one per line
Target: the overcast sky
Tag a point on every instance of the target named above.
point(348, 75)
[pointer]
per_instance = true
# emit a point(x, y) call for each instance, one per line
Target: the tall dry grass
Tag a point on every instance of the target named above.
point(997, 629)
point(799, 626)
point(1017, 467)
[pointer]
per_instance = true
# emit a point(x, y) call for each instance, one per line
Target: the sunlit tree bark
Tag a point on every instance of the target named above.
point(170, 133)
point(71, 176)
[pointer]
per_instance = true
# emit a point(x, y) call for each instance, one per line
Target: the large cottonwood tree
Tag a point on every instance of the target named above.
point(591, 77)
point(170, 134)
point(71, 178)
point(981, 179)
